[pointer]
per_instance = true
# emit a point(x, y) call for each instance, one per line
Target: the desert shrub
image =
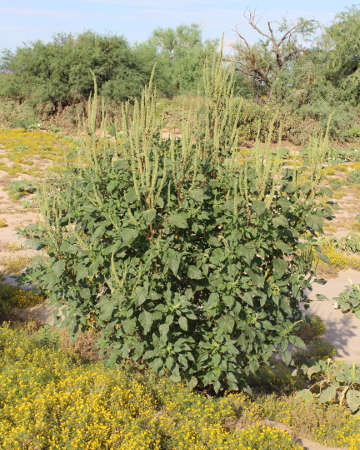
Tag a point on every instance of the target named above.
point(182, 259)
point(15, 115)
point(340, 117)
point(58, 73)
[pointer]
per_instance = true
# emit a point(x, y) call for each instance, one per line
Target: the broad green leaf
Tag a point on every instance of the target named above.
point(36, 244)
point(178, 220)
point(112, 185)
point(59, 268)
point(314, 221)
point(298, 342)
point(156, 364)
point(321, 256)
point(175, 374)
point(312, 370)
point(213, 300)
point(226, 324)
point(183, 361)
point(174, 262)
point(183, 323)
point(232, 380)
point(146, 321)
point(131, 195)
point(229, 301)
point(106, 309)
point(197, 195)
point(305, 394)
point(85, 293)
point(192, 382)
point(129, 325)
point(128, 235)
point(353, 399)
point(280, 221)
point(287, 357)
point(279, 267)
point(149, 216)
point(328, 394)
point(259, 207)
point(164, 330)
point(194, 273)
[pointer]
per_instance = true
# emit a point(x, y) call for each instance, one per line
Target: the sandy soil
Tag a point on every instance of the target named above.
point(15, 216)
point(342, 330)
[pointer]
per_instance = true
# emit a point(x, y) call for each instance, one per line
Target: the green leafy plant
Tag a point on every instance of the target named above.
point(353, 177)
point(334, 382)
point(349, 300)
point(20, 188)
point(181, 258)
point(349, 243)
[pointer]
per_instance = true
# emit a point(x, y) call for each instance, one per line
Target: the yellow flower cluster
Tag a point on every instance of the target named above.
point(23, 148)
point(15, 297)
point(338, 259)
point(48, 399)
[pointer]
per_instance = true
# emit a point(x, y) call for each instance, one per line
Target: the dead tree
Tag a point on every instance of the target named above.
point(262, 62)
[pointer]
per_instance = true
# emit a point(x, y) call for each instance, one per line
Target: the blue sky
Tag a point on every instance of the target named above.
point(24, 21)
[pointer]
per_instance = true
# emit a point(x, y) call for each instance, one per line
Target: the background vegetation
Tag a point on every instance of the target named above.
point(290, 69)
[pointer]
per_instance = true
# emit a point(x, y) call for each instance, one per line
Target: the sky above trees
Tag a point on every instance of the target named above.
point(24, 21)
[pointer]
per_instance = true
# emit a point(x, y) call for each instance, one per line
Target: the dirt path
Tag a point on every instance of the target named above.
point(342, 330)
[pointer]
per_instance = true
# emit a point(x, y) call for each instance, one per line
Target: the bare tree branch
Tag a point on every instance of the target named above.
point(260, 65)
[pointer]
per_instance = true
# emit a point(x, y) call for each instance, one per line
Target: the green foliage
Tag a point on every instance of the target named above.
point(338, 155)
point(353, 177)
point(20, 188)
point(59, 73)
point(342, 43)
point(349, 243)
point(181, 54)
point(334, 382)
point(183, 259)
point(349, 300)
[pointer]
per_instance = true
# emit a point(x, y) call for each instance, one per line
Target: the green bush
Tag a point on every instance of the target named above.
point(58, 73)
point(183, 259)
point(353, 177)
point(349, 300)
point(334, 382)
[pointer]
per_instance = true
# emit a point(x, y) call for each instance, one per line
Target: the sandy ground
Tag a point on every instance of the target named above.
point(342, 330)
point(11, 244)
